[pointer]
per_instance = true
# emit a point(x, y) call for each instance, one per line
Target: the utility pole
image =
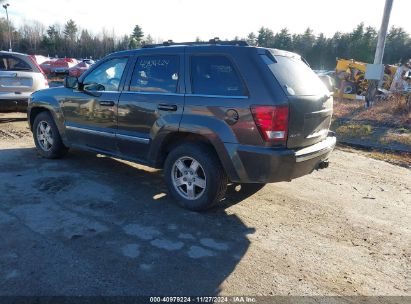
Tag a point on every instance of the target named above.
point(5, 6)
point(379, 52)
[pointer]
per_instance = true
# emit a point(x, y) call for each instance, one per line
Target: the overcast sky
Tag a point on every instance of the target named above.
point(184, 20)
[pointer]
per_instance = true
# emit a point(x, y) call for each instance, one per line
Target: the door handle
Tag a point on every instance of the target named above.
point(106, 103)
point(167, 107)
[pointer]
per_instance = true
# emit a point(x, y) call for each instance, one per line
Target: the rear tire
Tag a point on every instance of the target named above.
point(47, 137)
point(195, 177)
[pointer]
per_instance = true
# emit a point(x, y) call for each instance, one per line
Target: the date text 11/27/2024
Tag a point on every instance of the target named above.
point(232, 299)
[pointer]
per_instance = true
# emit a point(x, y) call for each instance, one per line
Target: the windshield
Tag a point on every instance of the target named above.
point(294, 75)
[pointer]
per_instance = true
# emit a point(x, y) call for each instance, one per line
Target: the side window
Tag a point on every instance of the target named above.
point(215, 75)
point(107, 76)
point(11, 63)
point(157, 73)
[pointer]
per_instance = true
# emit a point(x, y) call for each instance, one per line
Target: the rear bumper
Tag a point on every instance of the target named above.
point(269, 165)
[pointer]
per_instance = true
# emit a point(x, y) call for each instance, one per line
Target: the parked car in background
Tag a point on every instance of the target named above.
point(46, 66)
point(207, 113)
point(89, 61)
point(78, 69)
point(62, 65)
point(59, 66)
point(20, 76)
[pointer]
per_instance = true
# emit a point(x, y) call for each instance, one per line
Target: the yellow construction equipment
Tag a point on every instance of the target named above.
point(350, 77)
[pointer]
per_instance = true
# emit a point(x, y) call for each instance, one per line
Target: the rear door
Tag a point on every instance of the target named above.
point(310, 102)
point(218, 99)
point(153, 99)
point(15, 76)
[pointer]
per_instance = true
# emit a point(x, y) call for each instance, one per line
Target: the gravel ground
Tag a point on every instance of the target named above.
point(92, 225)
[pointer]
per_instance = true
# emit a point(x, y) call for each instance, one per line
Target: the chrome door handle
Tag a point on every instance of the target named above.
point(167, 107)
point(106, 103)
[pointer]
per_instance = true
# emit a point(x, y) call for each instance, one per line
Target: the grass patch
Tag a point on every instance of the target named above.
point(403, 138)
point(393, 112)
point(402, 159)
point(402, 130)
point(346, 108)
point(354, 129)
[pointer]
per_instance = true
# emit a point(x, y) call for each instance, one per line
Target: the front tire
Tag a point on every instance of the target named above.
point(47, 137)
point(195, 177)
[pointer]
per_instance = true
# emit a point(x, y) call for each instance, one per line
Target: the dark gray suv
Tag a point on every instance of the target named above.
point(207, 113)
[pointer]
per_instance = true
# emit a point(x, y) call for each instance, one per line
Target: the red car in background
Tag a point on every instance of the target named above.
point(62, 65)
point(78, 69)
point(58, 66)
point(46, 66)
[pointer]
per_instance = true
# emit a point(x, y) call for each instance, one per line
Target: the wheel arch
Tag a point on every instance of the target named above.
point(159, 151)
point(33, 114)
point(37, 108)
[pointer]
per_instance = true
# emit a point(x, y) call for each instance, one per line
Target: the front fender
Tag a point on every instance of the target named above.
point(51, 103)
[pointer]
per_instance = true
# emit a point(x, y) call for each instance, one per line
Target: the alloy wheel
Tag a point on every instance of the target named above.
point(45, 135)
point(188, 177)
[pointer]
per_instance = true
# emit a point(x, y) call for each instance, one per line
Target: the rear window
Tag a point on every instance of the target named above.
point(12, 63)
point(294, 75)
point(215, 75)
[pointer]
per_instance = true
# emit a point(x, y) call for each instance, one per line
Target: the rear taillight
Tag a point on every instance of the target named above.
point(272, 121)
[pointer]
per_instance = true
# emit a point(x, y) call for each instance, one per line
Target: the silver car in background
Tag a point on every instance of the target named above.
point(20, 76)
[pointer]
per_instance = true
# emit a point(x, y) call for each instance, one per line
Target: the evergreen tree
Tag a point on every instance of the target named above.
point(265, 37)
point(251, 39)
point(397, 47)
point(70, 30)
point(282, 40)
point(149, 39)
point(136, 37)
point(320, 51)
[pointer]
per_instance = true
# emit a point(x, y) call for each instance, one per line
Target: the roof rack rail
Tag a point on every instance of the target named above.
point(214, 41)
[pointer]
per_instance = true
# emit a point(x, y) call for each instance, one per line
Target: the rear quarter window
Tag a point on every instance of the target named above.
point(294, 75)
point(12, 63)
point(215, 75)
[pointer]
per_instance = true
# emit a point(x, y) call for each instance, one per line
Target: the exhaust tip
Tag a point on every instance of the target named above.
point(323, 164)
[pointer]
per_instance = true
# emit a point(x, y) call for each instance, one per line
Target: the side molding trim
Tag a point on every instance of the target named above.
point(94, 132)
point(111, 135)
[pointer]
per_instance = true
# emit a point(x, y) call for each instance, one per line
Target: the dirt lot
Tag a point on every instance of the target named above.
point(92, 225)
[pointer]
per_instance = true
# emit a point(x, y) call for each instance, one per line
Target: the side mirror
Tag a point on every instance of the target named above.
point(71, 82)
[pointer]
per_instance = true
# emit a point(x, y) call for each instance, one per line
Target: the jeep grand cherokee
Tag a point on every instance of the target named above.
point(207, 113)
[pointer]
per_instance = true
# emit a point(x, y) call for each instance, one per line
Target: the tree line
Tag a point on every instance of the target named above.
point(68, 40)
point(320, 51)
